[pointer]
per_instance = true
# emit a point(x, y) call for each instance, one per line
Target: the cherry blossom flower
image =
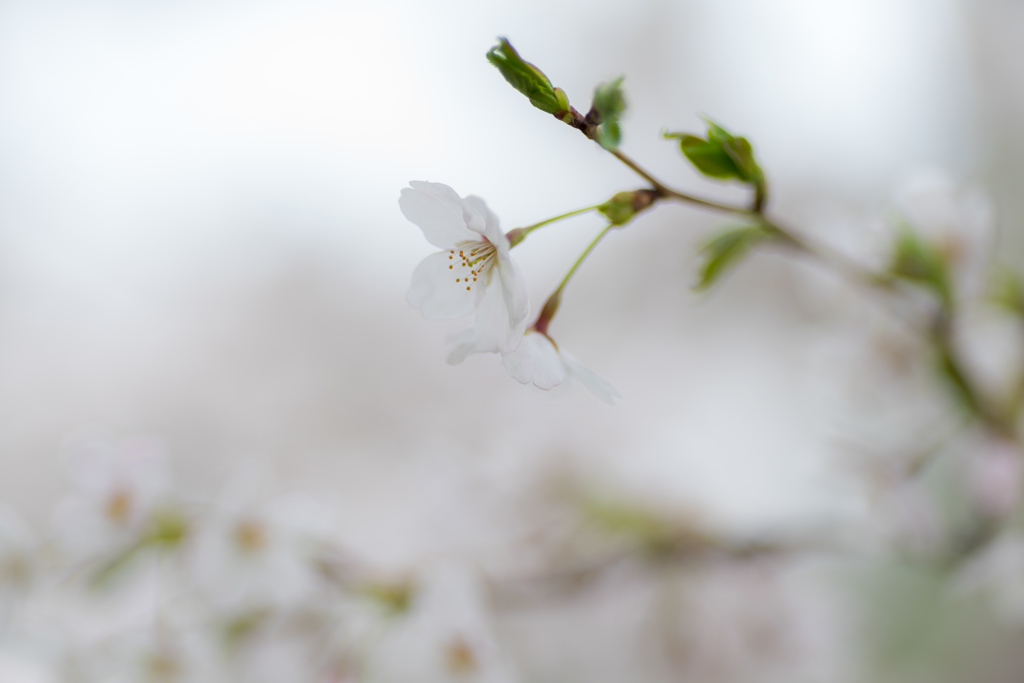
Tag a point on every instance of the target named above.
point(474, 274)
point(539, 361)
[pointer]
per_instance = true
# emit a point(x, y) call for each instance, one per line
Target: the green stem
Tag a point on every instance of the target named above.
point(553, 302)
point(667, 192)
point(939, 334)
point(519, 234)
point(590, 247)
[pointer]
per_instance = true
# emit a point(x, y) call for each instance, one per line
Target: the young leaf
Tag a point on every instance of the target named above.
point(721, 154)
point(609, 103)
point(725, 250)
point(526, 78)
point(708, 157)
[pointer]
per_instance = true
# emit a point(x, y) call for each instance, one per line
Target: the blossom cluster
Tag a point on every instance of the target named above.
point(137, 581)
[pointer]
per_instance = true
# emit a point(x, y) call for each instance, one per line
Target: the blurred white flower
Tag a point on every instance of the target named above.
point(998, 574)
point(447, 635)
point(537, 360)
point(117, 485)
point(908, 519)
point(474, 273)
point(251, 555)
point(995, 472)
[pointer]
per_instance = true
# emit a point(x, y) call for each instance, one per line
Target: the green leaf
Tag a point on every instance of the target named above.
point(710, 158)
point(741, 153)
point(726, 250)
point(918, 261)
point(609, 135)
point(721, 154)
point(527, 78)
point(609, 103)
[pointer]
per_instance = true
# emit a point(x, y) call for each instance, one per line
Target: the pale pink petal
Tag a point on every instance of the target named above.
point(438, 211)
point(494, 331)
point(436, 293)
point(480, 219)
point(535, 362)
point(513, 290)
point(597, 385)
point(463, 345)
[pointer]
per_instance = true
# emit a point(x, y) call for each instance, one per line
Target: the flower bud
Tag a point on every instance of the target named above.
point(527, 78)
point(621, 208)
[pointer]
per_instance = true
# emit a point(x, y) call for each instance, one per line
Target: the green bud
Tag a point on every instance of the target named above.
point(621, 208)
point(725, 250)
point(720, 155)
point(527, 78)
point(609, 104)
point(919, 261)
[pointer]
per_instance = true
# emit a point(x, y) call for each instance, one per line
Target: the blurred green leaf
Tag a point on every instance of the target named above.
point(1007, 290)
point(395, 597)
point(652, 531)
point(726, 250)
point(242, 626)
point(918, 261)
point(609, 103)
point(527, 78)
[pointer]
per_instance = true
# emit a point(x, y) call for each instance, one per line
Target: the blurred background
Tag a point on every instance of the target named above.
point(201, 248)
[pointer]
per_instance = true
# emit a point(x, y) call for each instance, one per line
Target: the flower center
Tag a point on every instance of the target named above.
point(472, 262)
point(118, 506)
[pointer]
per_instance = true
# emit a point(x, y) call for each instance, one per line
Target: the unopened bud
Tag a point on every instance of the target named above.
point(527, 78)
point(621, 208)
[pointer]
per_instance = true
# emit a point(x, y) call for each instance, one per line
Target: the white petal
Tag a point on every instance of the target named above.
point(463, 345)
point(436, 293)
point(480, 218)
point(513, 289)
point(597, 385)
point(494, 331)
point(438, 211)
point(535, 362)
